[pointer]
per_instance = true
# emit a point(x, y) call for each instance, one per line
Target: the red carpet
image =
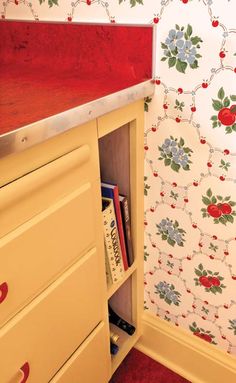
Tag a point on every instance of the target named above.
point(139, 368)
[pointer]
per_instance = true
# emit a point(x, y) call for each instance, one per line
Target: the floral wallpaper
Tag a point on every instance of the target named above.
point(190, 155)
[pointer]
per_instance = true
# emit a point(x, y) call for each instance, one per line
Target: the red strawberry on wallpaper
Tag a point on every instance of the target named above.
point(202, 334)
point(209, 280)
point(226, 111)
point(219, 208)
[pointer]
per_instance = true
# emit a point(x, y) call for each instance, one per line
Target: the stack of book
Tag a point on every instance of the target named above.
point(117, 233)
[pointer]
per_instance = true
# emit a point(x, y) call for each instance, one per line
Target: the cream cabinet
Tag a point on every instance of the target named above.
point(53, 293)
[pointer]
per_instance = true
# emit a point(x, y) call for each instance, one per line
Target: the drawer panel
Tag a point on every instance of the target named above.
point(31, 194)
point(52, 326)
point(90, 363)
point(34, 156)
point(36, 252)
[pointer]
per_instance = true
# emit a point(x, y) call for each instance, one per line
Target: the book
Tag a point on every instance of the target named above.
point(124, 207)
point(112, 191)
point(114, 263)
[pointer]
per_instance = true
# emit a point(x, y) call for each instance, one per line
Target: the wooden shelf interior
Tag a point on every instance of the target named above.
point(114, 149)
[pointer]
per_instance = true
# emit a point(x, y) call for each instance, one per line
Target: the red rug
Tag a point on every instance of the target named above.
point(139, 368)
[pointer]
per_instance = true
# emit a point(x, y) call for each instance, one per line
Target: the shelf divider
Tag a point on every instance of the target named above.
point(115, 286)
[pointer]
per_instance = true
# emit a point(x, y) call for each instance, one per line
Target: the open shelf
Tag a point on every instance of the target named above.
point(121, 163)
point(125, 343)
point(114, 287)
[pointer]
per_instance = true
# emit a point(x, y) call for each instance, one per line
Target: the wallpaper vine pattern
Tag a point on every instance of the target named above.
point(190, 155)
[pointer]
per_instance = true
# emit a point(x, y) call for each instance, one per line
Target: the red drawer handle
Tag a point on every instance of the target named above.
point(25, 371)
point(3, 291)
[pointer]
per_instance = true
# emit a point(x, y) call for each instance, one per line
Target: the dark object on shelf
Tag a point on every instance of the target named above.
point(114, 348)
point(121, 323)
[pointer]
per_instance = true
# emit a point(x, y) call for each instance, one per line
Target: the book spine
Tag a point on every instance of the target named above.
point(108, 271)
point(111, 191)
point(112, 243)
point(127, 229)
point(120, 228)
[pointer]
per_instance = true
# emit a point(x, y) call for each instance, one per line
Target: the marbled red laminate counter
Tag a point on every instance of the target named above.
point(49, 68)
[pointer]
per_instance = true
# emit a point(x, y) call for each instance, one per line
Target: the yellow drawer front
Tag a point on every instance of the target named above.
point(90, 363)
point(29, 195)
point(36, 252)
point(33, 156)
point(51, 328)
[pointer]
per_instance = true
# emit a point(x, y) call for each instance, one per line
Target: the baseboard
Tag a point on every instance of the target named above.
point(185, 354)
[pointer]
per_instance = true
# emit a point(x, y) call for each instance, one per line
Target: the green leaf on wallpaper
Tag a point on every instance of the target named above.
point(164, 46)
point(171, 62)
point(181, 66)
point(222, 220)
point(229, 218)
point(194, 65)
point(198, 56)
point(164, 59)
point(233, 97)
point(228, 129)
point(189, 30)
point(171, 242)
point(199, 274)
point(50, 2)
point(221, 93)
point(177, 27)
point(167, 161)
point(226, 102)
point(206, 201)
point(213, 200)
point(209, 193)
point(234, 127)
point(217, 105)
point(132, 2)
point(175, 166)
point(181, 142)
point(195, 40)
point(214, 118)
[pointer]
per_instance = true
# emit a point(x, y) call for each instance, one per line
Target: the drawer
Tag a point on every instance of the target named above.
point(36, 191)
point(90, 363)
point(52, 326)
point(35, 253)
point(33, 156)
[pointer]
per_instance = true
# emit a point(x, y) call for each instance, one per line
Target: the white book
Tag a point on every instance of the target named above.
point(112, 242)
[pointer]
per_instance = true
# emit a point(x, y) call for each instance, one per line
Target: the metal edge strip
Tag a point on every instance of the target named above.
point(40, 131)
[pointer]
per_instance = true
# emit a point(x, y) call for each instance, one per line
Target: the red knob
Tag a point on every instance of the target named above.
point(3, 291)
point(25, 369)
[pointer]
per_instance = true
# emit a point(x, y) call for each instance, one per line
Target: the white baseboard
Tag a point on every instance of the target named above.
point(185, 354)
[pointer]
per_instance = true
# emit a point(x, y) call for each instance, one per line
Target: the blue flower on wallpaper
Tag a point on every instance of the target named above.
point(173, 39)
point(167, 292)
point(175, 154)
point(171, 232)
point(180, 48)
point(186, 51)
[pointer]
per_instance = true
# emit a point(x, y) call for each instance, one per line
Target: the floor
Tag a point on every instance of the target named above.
point(139, 368)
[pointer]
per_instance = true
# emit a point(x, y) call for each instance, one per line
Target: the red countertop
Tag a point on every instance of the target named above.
point(48, 68)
